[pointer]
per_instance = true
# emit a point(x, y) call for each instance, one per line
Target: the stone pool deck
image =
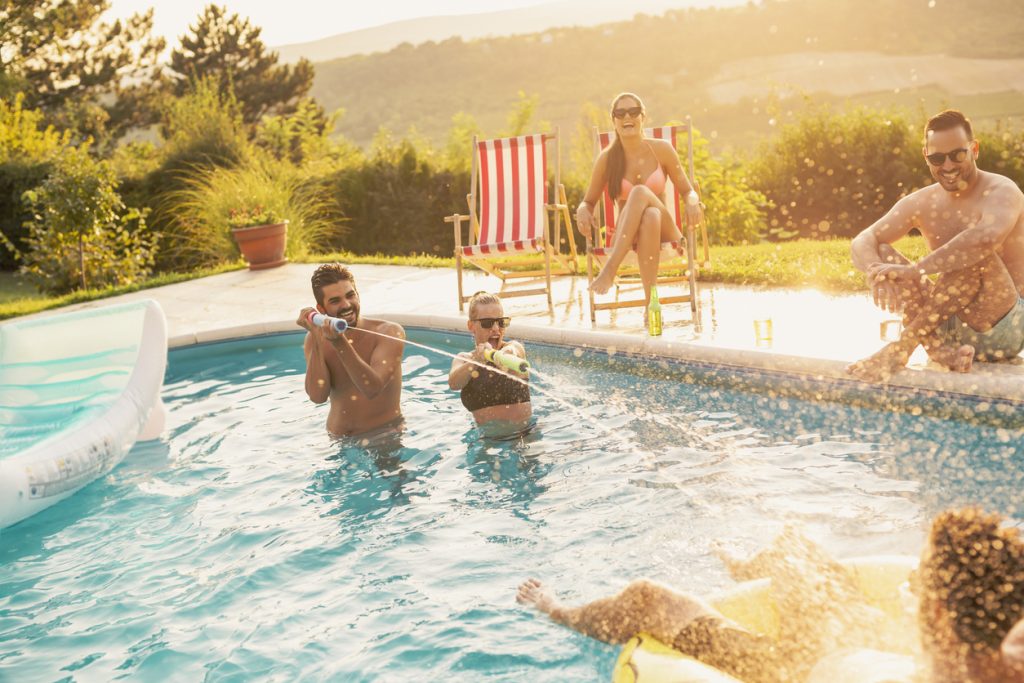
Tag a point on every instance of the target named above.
point(814, 335)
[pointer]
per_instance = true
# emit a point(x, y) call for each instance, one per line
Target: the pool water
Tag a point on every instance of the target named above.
point(248, 545)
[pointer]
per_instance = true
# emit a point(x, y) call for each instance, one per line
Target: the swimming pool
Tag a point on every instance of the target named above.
point(247, 545)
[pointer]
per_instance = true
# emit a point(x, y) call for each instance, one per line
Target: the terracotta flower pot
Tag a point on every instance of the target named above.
point(262, 246)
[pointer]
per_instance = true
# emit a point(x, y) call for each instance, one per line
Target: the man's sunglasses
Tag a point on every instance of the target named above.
point(620, 113)
point(939, 158)
point(488, 323)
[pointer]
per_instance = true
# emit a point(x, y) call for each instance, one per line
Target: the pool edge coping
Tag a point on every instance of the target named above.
point(977, 385)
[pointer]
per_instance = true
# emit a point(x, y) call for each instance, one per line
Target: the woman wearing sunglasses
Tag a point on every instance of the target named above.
point(498, 396)
point(634, 169)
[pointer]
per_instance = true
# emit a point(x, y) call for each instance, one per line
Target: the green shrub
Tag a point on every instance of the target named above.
point(1002, 151)
point(81, 234)
point(734, 211)
point(833, 174)
point(26, 150)
point(396, 202)
point(210, 198)
point(203, 129)
point(302, 138)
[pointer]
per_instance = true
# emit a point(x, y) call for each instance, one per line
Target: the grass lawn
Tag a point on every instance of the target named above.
point(13, 287)
point(804, 263)
point(18, 298)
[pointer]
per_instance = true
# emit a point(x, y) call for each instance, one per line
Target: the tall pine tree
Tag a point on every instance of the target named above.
point(229, 49)
point(70, 64)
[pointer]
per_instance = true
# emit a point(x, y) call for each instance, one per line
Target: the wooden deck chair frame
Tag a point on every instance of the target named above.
point(599, 242)
point(497, 174)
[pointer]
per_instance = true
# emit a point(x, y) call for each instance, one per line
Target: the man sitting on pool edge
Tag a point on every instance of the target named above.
point(973, 222)
point(358, 370)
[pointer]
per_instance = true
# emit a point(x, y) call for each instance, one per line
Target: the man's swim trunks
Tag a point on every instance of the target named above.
point(1003, 342)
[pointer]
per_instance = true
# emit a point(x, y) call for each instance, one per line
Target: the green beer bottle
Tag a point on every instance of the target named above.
point(654, 314)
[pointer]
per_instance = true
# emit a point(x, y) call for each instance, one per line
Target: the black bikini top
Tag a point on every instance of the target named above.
point(493, 388)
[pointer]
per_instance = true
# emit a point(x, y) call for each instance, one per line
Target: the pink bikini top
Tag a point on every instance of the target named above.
point(655, 181)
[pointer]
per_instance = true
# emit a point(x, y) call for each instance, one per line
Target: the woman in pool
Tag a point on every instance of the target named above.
point(498, 397)
point(970, 588)
point(634, 169)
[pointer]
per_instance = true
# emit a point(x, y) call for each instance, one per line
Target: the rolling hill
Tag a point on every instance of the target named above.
point(740, 71)
point(481, 25)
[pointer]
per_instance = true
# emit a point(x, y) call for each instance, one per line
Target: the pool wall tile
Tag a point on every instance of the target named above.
point(983, 383)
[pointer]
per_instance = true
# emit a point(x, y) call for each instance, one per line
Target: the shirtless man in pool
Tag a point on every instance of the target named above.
point(360, 373)
point(973, 222)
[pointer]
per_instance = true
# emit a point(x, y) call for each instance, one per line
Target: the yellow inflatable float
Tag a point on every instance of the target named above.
point(880, 579)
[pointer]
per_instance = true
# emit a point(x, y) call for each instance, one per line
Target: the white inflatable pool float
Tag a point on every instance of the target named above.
point(76, 391)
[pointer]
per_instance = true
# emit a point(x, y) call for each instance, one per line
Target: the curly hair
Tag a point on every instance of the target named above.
point(976, 570)
point(328, 274)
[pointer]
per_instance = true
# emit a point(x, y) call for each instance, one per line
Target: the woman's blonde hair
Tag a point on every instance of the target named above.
point(480, 299)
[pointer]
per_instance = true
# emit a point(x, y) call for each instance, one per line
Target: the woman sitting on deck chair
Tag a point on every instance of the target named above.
point(634, 169)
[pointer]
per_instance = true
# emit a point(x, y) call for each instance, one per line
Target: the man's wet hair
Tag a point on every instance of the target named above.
point(481, 299)
point(328, 274)
point(947, 120)
point(976, 569)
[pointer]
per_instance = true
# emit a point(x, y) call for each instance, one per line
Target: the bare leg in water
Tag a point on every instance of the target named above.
point(645, 222)
point(980, 295)
point(643, 606)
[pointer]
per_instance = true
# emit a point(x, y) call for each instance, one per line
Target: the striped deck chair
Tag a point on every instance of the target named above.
point(508, 216)
point(599, 245)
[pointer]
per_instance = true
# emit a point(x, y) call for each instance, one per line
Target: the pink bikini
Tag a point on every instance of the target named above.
point(655, 181)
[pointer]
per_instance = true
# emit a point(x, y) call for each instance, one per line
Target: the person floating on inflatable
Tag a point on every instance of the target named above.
point(492, 378)
point(969, 586)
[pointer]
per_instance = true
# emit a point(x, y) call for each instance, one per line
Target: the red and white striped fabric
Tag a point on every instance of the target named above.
point(671, 193)
point(513, 195)
point(516, 247)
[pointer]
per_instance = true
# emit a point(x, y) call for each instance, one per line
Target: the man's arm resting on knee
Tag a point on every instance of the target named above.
point(1002, 210)
point(371, 378)
point(873, 244)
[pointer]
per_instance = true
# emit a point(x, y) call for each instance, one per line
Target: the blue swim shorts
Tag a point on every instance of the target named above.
point(1003, 342)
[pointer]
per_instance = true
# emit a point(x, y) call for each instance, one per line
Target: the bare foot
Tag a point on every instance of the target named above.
point(603, 282)
point(881, 365)
point(681, 250)
point(533, 592)
point(958, 360)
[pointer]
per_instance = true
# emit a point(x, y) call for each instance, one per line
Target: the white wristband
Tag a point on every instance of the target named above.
point(692, 198)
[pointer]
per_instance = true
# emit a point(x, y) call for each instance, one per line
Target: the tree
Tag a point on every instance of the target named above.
point(70, 64)
point(229, 50)
point(81, 234)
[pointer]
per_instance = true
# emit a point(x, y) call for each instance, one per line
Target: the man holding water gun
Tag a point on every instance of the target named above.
point(355, 362)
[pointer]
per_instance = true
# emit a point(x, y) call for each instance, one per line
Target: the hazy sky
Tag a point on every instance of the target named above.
point(296, 21)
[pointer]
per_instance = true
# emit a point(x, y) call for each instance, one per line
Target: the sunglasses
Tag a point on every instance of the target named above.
point(488, 323)
point(620, 113)
point(939, 158)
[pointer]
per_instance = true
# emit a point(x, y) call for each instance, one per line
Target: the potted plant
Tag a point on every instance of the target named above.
point(261, 236)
